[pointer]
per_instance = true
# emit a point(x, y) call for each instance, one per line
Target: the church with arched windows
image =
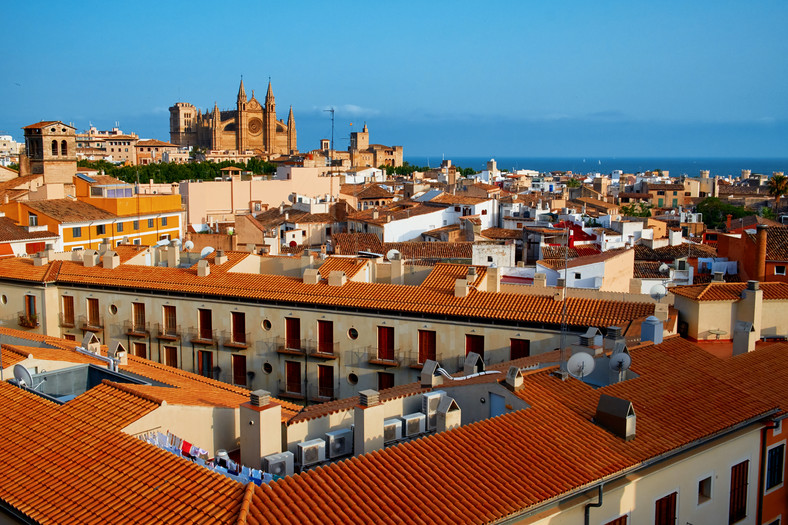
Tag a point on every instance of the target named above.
point(51, 149)
point(251, 126)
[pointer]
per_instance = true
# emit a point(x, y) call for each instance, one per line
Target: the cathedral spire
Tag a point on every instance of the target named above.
point(290, 119)
point(242, 92)
point(270, 95)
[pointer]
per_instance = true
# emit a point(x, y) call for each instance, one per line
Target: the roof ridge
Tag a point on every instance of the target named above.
point(130, 390)
point(246, 503)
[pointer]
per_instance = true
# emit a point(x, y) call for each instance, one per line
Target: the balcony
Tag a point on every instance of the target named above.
point(66, 321)
point(203, 337)
point(290, 391)
point(91, 324)
point(136, 329)
point(236, 340)
point(323, 350)
point(373, 358)
point(290, 346)
point(413, 359)
point(168, 332)
point(27, 320)
point(322, 394)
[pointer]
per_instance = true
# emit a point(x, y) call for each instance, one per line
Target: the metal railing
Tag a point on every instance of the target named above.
point(165, 331)
point(374, 356)
point(91, 324)
point(202, 336)
point(28, 320)
point(136, 328)
point(323, 348)
point(66, 321)
point(236, 340)
point(290, 346)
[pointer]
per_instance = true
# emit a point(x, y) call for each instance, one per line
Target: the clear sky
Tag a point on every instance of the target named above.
point(522, 78)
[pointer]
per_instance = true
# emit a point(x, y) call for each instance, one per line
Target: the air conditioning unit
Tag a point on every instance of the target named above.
point(414, 424)
point(279, 464)
point(311, 452)
point(340, 443)
point(429, 406)
point(392, 430)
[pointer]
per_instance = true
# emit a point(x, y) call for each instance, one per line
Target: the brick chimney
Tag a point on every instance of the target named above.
point(728, 222)
point(261, 428)
point(760, 253)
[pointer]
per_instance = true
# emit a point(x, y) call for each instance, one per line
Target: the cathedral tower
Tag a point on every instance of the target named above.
point(269, 121)
point(292, 145)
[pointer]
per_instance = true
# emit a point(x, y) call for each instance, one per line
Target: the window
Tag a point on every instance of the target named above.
point(775, 466)
point(76, 232)
point(325, 381)
point(474, 343)
point(150, 223)
point(738, 498)
point(293, 377)
point(137, 241)
point(32, 219)
point(578, 275)
point(704, 490)
point(665, 510)
point(138, 316)
point(164, 221)
point(140, 350)
point(63, 147)
point(484, 212)
point(68, 310)
point(239, 369)
point(54, 147)
point(238, 322)
point(385, 380)
point(520, 348)
point(170, 324)
point(30, 305)
point(119, 226)
point(325, 337)
point(205, 324)
point(293, 333)
point(100, 229)
point(136, 225)
point(779, 270)
point(489, 259)
point(386, 343)
point(205, 363)
point(426, 345)
point(171, 356)
point(618, 521)
point(94, 319)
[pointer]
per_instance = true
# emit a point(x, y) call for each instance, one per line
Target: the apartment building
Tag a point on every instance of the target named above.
point(307, 338)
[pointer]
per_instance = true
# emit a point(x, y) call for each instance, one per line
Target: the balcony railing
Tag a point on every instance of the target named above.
point(136, 329)
point(28, 320)
point(66, 321)
point(203, 337)
point(232, 339)
point(290, 346)
point(321, 394)
point(91, 324)
point(374, 357)
point(414, 361)
point(291, 391)
point(169, 332)
point(323, 350)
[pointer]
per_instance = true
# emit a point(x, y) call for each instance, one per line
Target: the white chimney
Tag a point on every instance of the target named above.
point(368, 423)
point(110, 260)
point(203, 268)
point(261, 428)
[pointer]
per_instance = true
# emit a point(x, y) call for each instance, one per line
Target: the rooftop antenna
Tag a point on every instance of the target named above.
point(580, 365)
point(657, 292)
point(620, 361)
point(563, 369)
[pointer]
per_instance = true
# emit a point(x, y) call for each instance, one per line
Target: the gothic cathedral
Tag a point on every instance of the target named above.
point(251, 126)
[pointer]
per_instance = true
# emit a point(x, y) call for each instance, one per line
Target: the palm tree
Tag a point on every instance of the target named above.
point(778, 186)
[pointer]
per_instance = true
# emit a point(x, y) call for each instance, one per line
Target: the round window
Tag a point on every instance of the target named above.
point(4, 299)
point(113, 309)
point(266, 325)
point(267, 368)
point(352, 333)
point(352, 379)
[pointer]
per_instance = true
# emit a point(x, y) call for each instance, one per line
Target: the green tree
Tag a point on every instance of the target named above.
point(778, 186)
point(636, 209)
point(573, 183)
point(13, 166)
point(715, 212)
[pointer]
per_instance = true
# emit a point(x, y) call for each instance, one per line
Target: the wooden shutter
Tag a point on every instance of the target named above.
point(93, 312)
point(293, 333)
point(325, 381)
point(171, 356)
point(68, 309)
point(325, 337)
point(386, 343)
point(293, 377)
point(385, 380)
point(239, 369)
point(206, 324)
point(738, 501)
point(665, 511)
point(238, 320)
point(474, 343)
point(138, 311)
point(426, 345)
point(170, 324)
point(520, 348)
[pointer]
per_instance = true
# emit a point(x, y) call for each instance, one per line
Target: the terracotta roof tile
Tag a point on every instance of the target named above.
point(350, 265)
point(776, 243)
point(68, 210)
point(502, 233)
point(458, 200)
point(443, 276)
point(716, 291)
point(10, 231)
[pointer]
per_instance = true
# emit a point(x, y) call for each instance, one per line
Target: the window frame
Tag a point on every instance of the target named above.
point(776, 486)
point(677, 492)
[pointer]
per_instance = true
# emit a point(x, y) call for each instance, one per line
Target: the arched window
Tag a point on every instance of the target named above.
point(54, 147)
point(63, 148)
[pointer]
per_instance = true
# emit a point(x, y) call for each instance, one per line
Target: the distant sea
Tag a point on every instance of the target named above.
point(585, 165)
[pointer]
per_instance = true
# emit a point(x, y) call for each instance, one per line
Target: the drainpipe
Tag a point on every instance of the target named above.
point(597, 504)
point(761, 480)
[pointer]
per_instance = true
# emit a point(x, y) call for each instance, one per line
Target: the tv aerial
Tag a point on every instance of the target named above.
point(657, 292)
point(23, 377)
point(580, 365)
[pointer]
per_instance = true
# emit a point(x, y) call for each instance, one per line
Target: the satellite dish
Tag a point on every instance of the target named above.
point(663, 268)
point(580, 365)
point(392, 255)
point(205, 252)
point(620, 362)
point(657, 292)
point(22, 376)
point(188, 245)
point(163, 242)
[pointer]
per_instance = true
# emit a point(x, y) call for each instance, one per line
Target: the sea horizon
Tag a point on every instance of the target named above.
point(675, 166)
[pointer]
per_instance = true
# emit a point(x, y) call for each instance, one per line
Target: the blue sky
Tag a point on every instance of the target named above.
point(526, 78)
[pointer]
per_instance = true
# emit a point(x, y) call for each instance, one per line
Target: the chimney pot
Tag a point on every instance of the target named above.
point(369, 398)
point(260, 398)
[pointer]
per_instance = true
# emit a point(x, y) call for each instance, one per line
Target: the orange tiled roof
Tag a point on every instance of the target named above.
point(154, 142)
point(582, 261)
point(450, 200)
point(444, 275)
point(716, 291)
point(350, 265)
point(365, 296)
point(10, 231)
point(45, 123)
point(502, 233)
point(776, 243)
point(68, 210)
